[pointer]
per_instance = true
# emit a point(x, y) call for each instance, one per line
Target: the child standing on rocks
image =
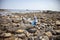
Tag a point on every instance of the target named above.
point(34, 21)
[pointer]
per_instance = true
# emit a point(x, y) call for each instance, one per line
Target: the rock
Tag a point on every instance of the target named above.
point(25, 26)
point(38, 23)
point(18, 39)
point(11, 29)
point(37, 33)
point(10, 38)
point(8, 24)
point(1, 32)
point(20, 31)
point(26, 33)
point(57, 22)
point(6, 35)
point(15, 21)
point(33, 38)
point(32, 30)
point(49, 34)
point(44, 38)
point(57, 31)
point(15, 24)
point(22, 36)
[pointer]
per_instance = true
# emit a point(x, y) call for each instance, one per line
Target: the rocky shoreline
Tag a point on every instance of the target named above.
point(47, 28)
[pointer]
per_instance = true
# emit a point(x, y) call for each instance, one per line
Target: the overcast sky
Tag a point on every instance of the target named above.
point(30, 4)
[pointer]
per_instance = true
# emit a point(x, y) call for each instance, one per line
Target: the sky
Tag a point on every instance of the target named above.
point(30, 4)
